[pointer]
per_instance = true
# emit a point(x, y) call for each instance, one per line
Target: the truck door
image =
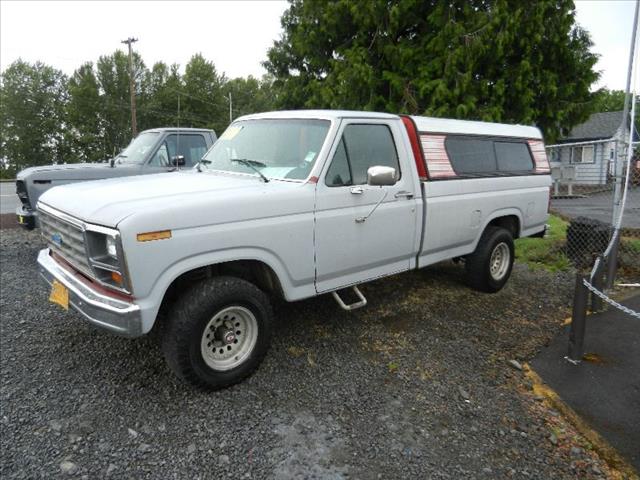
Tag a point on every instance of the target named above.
point(364, 232)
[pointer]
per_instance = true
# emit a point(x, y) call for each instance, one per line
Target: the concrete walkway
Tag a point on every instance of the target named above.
point(604, 391)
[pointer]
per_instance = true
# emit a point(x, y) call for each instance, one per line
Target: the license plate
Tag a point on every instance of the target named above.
point(59, 295)
point(20, 219)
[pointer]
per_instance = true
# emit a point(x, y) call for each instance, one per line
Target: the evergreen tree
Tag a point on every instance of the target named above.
point(492, 60)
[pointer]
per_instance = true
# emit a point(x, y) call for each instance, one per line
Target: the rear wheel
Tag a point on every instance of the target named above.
point(489, 266)
point(218, 333)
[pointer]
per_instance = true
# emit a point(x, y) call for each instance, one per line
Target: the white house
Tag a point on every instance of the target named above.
point(592, 148)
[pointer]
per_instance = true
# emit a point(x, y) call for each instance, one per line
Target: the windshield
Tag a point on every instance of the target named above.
point(280, 149)
point(137, 150)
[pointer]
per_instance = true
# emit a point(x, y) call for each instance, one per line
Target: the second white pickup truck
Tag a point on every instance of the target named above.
point(289, 204)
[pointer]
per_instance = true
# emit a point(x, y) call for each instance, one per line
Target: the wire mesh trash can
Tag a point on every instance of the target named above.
point(586, 239)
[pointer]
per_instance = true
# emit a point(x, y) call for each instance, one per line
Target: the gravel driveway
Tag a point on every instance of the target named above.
point(416, 385)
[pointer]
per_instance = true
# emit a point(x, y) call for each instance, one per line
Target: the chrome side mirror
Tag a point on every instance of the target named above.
point(178, 160)
point(380, 176)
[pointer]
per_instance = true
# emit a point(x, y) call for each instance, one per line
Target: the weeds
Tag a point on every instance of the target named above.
point(547, 253)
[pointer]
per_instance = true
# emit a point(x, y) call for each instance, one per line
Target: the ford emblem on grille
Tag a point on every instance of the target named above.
point(57, 239)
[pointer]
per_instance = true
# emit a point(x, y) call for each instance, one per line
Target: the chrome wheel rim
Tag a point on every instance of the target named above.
point(499, 261)
point(229, 338)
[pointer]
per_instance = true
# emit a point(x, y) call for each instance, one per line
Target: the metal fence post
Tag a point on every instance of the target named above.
point(597, 281)
point(612, 262)
point(578, 321)
point(619, 167)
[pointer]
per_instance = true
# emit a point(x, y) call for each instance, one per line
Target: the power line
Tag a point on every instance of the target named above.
point(193, 97)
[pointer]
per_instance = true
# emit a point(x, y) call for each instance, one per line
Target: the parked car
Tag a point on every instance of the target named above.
point(153, 151)
point(291, 205)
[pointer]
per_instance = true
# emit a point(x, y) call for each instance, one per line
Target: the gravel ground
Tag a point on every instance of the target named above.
point(416, 385)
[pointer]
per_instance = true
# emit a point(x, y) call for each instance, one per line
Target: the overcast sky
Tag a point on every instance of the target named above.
point(234, 35)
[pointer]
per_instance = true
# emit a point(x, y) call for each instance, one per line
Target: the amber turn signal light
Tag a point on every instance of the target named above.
point(116, 277)
point(147, 237)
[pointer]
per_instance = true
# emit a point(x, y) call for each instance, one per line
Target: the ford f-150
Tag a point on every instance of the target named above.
point(292, 205)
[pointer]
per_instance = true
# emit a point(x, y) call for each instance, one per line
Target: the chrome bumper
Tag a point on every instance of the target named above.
point(104, 311)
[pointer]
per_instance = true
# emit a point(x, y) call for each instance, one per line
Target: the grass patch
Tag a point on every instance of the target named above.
point(629, 258)
point(631, 244)
point(547, 253)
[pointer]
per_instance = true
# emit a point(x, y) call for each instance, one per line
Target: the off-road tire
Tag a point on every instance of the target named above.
point(188, 318)
point(478, 264)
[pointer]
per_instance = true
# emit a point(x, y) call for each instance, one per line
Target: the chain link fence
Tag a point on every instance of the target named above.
point(595, 188)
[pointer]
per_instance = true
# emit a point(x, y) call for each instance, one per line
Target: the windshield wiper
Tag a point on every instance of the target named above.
point(252, 164)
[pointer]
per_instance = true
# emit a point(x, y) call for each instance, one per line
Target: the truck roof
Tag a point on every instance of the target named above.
point(176, 129)
point(319, 114)
point(423, 124)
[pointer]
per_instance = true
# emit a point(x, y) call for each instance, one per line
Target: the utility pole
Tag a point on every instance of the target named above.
point(619, 167)
point(132, 87)
point(230, 108)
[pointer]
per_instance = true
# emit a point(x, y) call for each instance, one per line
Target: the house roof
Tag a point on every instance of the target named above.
point(599, 125)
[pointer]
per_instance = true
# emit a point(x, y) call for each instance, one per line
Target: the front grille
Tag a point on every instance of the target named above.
point(66, 239)
point(21, 191)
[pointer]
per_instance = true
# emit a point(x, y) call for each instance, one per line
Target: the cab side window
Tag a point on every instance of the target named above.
point(191, 147)
point(361, 147)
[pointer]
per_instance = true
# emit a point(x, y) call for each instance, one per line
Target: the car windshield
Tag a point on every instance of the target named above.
point(137, 150)
point(277, 149)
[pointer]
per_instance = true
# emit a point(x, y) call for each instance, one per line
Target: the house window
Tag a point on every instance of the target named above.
point(583, 154)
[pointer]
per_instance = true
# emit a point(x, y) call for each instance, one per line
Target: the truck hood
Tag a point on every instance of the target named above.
point(72, 171)
point(108, 202)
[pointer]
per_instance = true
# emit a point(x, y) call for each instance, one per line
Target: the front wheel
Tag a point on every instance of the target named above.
point(489, 266)
point(218, 333)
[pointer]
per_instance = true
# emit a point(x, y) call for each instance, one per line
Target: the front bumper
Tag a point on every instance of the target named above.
point(26, 218)
point(102, 310)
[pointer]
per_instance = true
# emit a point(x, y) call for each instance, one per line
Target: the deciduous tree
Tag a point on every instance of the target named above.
point(84, 127)
point(32, 106)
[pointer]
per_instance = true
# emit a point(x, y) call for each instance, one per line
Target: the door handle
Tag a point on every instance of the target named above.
point(357, 190)
point(403, 194)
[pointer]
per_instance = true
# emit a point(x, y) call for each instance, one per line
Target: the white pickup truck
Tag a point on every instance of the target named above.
point(293, 205)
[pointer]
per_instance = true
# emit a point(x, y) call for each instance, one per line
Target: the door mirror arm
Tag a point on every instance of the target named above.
point(363, 219)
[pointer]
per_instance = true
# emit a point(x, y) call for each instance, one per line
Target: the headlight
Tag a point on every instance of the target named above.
point(103, 247)
point(110, 243)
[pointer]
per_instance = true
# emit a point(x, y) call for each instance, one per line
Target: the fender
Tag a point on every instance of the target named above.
point(292, 291)
point(503, 212)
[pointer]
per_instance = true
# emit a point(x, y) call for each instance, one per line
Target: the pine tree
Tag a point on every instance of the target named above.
point(493, 60)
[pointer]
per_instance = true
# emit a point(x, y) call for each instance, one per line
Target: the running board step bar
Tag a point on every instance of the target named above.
point(353, 306)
